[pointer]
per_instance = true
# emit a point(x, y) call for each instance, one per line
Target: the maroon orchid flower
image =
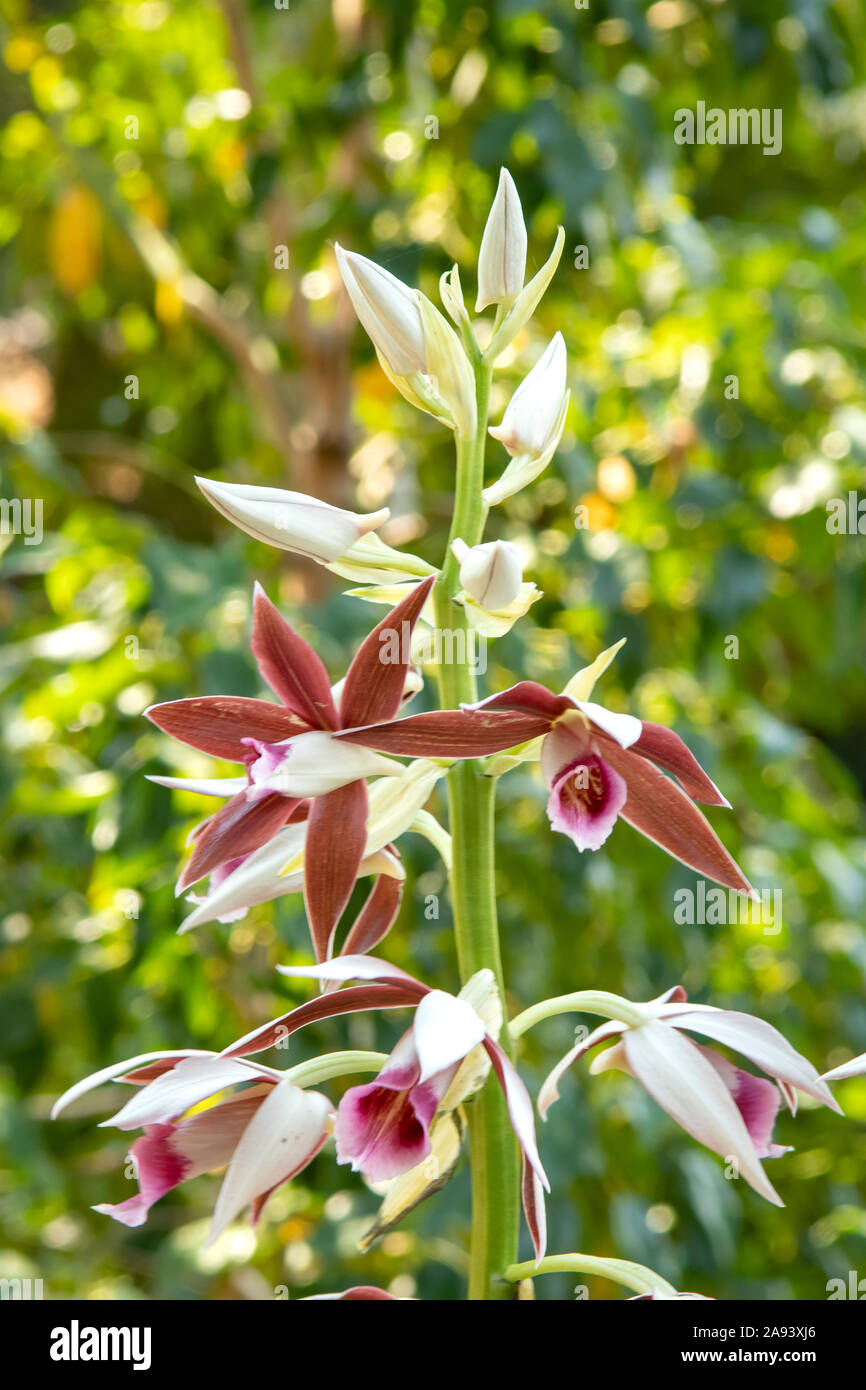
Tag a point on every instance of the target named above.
point(295, 767)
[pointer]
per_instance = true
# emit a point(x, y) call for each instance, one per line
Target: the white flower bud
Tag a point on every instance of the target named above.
point(534, 411)
point(291, 520)
point(491, 574)
point(388, 309)
point(502, 258)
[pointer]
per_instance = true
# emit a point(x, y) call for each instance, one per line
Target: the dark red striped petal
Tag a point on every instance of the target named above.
point(660, 810)
point(239, 827)
point(216, 724)
point(470, 733)
point(333, 850)
point(667, 750)
point(290, 666)
point(528, 697)
point(375, 682)
point(357, 999)
point(376, 917)
point(534, 1208)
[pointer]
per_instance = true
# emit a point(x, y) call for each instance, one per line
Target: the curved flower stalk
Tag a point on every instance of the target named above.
point(383, 1129)
point(264, 1133)
point(291, 756)
point(729, 1110)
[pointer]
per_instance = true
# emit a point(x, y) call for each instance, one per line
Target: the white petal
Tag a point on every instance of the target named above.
point(581, 684)
point(856, 1067)
point(177, 1090)
point(502, 257)
point(348, 968)
point(286, 1131)
point(762, 1044)
point(316, 763)
point(204, 786)
point(445, 1031)
point(491, 573)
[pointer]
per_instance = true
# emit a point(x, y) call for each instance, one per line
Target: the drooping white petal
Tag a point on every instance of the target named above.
point(286, 1131)
point(445, 1030)
point(290, 521)
point(550, 1089)
point(502, 257)
point(762, 1044)
point(257, 880)
point(684, 1084)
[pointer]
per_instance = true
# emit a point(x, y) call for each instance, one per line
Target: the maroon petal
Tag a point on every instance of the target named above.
point(217, 724)
point(238, 828)
point(374, 684)
point(660, 810)
point(376, 917)
point(470, 733)
point(333, 850)
point(667, 750)
point(534, 1208)
point(356, 999)
point(290, 666)
point(528, 697)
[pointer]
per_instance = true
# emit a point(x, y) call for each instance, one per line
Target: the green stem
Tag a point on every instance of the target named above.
point(493, 1148)
point(633, 1276)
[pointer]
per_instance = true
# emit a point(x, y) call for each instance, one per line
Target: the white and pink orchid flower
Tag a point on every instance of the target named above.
point(383, 1129)
point(728, 1109)
point(263, 1133)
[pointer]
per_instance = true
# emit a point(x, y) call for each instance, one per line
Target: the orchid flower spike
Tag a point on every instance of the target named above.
point(266, 1132)
point(729, 1110)
point(291, 520)
point(383, 1128)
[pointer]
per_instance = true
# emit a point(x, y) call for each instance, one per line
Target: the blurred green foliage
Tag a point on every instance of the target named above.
point(155, 156)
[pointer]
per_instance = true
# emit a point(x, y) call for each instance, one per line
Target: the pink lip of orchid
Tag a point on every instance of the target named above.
point(295, 765)
point(598, 764)
point(263, 1135)
point(729, 1110)
point(382, 1129)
